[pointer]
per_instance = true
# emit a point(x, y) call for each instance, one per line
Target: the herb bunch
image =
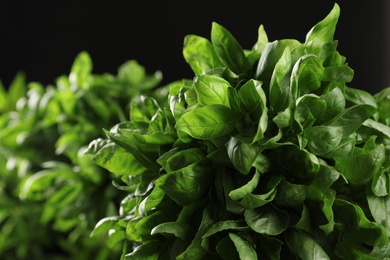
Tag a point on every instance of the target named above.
point(51, 193)
point(265, 154)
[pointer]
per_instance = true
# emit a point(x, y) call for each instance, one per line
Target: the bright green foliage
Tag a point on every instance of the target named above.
point(51, 193)
point(266, 154)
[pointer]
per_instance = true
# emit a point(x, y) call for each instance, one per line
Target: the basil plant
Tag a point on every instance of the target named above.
point(266, 153)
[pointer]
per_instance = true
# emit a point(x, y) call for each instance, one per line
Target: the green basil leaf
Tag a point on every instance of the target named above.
point(176, 158)
point(208, 122)
point(245, 196)
point(212, 89)
point(290, 195)
point(117, 160)
point(143, 108)
point(149, 251)
point(327, 211)
point(151, 138)
point(68, 100)
point(115, 236)
point(233, 100)
point(180, 230)
point(279, 89)
point(267, 220)
point(379, 206)
point(330, 55)
point(200, 54)
point(132, 72)
point(128, 144)
point(321, 182)
point(380, 252)
point(145, 225)
point(252, 99)
point(360, 168)
point(341, 73)
point(241, 154)
point(284, 119)
point(304, 246)
point(335, 103)
point(306, 75)
point(35, 185)
point(383, 100)
point(226, 249)
point(188, 184)
point(81, 71)
point(357, 226)
point(63, 196)
point(271, 54)
point(228, 49)
point(381, 184)
point(308, 110)
point(240, 192)
point(195, 250)
point(105, 225)
point(244, 247)
point(16, 90)
point(226, 225)
point(153, 199)
point(359, 97)
point(323, 31)
point(381, 129)
point(262, 39)
point(323, 139)
point(251, 201)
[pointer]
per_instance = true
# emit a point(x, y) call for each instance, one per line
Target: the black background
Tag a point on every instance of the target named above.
point(42, 38)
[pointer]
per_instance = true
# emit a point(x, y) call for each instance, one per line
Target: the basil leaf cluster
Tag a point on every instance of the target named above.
point(51, 193)
point(265, 154)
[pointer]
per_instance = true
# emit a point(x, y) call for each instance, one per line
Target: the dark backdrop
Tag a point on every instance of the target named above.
point(42, 38)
